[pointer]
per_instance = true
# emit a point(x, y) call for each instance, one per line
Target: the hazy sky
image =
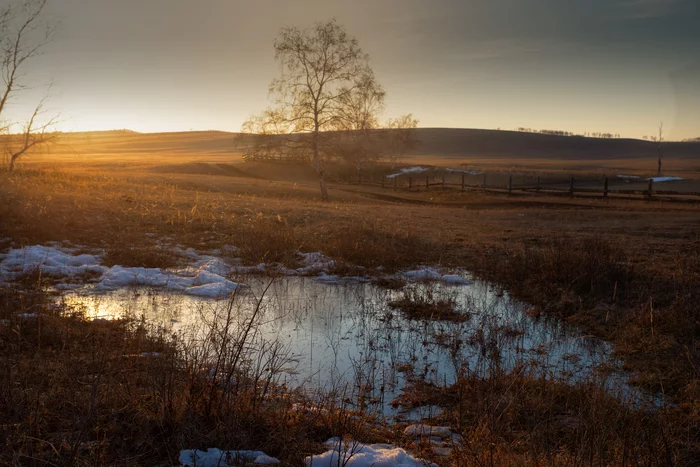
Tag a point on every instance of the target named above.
point(619, 66)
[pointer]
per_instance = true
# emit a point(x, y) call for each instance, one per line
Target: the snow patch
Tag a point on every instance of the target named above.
point(214, 457)
point(354, 454)
point(408, 170)
point(455, 279)
point(204, 277)
point(423, 274)
point(432, 274)
point(48, 260)
point(664, 179)
point(468, 172)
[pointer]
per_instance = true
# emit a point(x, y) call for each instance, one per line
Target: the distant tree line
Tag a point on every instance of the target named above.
point(569, 133)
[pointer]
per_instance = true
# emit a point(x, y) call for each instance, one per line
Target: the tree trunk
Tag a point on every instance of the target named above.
point(12, 164)
point(319, 167)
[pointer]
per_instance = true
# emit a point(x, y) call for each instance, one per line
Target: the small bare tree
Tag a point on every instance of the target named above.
point(321, 68)
point(400, 137)
point(22, 36)
point(33, 135)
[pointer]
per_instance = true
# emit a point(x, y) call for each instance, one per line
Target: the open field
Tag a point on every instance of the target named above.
point(624, 271)
point(493, 150)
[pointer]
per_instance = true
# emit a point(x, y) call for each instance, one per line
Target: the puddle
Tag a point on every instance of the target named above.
point(346, 336)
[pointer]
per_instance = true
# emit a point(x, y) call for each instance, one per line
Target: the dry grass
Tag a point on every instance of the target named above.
point(514, 419)
point(77, 392)
point(426, 306)
point(625, 271)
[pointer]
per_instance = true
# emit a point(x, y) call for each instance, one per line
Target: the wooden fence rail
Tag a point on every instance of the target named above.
point(419, 182)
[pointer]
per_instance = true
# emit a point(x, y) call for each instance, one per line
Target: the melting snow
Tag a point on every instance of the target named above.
point(408, 170)
point(352, 454)
point(214, 457)
point(469, 172)
point(455, 279)
point(664, 179)
point(432, 274)
point(205, 276)
point(49, 260)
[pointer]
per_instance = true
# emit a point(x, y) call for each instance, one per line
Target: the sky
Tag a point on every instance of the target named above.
point(617, 66)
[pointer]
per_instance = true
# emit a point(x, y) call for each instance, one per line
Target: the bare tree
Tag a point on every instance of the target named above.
point(33, 134)
point(22, 36)
point(660, 143)
point(400, 137)
point(321, 68)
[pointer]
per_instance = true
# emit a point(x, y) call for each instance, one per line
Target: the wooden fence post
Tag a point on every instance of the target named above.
point(651, 181)
point(427, 182)
point(571, 188)
point(510, 184)
point(605, 189)
point(462, 181)
point(537, 188)
point(443, 179)
point(410, 182)
point(395, 182)
point(483, 182)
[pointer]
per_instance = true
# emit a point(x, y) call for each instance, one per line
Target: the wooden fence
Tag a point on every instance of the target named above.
point(550, 185)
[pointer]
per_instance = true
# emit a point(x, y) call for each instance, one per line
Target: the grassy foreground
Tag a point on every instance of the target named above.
point(625, 271)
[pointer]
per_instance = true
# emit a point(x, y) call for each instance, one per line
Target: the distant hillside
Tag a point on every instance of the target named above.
point(512, 144)
point(438, 143)
point(456, 143)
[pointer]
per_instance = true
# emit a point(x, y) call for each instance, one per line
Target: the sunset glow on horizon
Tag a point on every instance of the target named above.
point(598, 66)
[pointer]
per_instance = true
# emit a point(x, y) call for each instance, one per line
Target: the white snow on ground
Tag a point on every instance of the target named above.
point(49, 260)
point(454, 279)
point(468, 172)
point(432, 274)
point(408, 170)
point(423, 274)
point(214, 457)
point(665, 179)
point(205, 276)
point(353, 454)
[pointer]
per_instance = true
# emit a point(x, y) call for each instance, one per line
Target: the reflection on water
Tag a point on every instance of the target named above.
point(348, 335)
